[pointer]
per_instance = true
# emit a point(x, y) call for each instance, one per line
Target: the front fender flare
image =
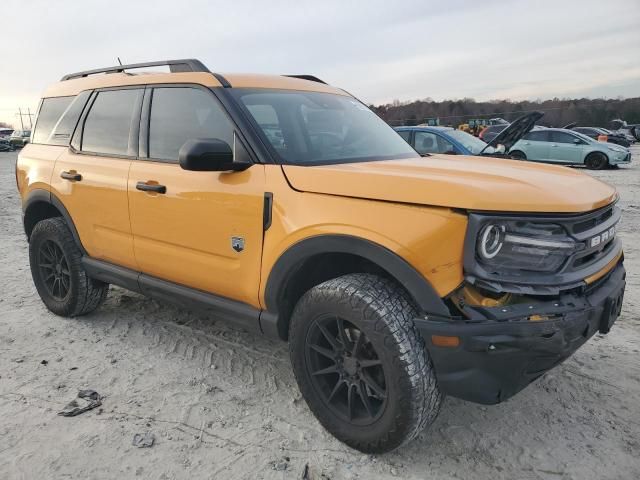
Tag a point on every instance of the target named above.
point(425, 296)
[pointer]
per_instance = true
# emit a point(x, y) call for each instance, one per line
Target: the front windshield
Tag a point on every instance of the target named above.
point(311, 128)
point(471, 143)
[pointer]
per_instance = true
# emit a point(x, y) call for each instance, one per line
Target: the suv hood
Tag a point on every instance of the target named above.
point(466, 182)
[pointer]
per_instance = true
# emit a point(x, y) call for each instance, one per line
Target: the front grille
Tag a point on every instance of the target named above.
point(595, 219)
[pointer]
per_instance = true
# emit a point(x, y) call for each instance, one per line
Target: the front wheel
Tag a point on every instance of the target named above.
point(518, 155)
point(596, 161)
point(56, 268)
point(361, 364)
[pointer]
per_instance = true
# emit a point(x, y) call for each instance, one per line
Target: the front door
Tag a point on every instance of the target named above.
point(536, 145)
point(91, 179)
point(204, 229)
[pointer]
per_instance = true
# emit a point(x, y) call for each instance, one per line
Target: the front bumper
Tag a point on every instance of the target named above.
point(500, 355)
point(620, 157)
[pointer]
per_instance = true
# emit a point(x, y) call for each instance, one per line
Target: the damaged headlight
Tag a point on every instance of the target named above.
point(522, 245)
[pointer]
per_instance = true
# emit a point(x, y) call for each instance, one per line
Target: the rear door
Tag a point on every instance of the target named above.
point(90, 178)
point(205, 229)
point(536, 145)
point(563, 147)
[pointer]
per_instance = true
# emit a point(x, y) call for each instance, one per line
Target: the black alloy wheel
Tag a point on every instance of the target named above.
point(54, 270)
point(345, 370)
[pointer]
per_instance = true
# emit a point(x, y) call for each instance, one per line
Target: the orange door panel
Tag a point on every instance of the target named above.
point(94, 191)
point(186, 235)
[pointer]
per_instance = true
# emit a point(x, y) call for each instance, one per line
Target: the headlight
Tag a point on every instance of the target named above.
point(616, 149)
point(522, 245)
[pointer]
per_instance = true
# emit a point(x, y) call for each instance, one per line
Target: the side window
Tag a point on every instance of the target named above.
point(561, 137)
point(50, 112)
point(426, 142)
point(537, 136)
point(445, 146)
point(179, 114)
point(108, 124)
point(405, 134)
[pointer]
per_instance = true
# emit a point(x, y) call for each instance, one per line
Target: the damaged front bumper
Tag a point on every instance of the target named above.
point(500, 350)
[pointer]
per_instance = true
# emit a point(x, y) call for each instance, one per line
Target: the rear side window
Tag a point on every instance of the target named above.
point(108, 124)
point(561, 137)
point(179, 114)
point(50, 112)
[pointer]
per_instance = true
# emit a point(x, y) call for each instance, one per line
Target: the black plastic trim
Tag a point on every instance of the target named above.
point(223, 308)
point(267, 211)
point(495, 359)
point(223, 81)
point(39, 195)
point(418, 287)
point(311, 78)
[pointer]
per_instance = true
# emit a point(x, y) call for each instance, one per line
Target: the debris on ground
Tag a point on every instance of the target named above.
point(143, 440)
point(281, 465)
point(85, 401)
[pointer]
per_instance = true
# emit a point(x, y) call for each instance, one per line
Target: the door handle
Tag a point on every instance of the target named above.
point(151, 187)
point(71, 175)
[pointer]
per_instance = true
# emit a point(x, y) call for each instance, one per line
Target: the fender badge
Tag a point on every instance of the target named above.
point(237, 243)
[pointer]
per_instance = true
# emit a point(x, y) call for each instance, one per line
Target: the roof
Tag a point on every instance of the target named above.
point(189, 71)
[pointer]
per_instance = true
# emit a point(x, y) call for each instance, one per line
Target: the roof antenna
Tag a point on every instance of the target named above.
point(119, 61)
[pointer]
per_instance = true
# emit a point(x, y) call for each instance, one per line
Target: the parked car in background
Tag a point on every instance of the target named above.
point(5, 132)
point(430, 140)
point(19, 138)
point(5, 145)
point(603, 135)
point(557, 145)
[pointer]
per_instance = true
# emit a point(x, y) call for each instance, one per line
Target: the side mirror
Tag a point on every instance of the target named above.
point(577, 141)
point(209, 155)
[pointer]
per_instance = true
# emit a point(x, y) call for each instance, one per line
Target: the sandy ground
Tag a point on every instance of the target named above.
point(224, 404)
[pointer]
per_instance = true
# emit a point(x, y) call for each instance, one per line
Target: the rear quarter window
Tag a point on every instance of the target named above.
point(50, 112)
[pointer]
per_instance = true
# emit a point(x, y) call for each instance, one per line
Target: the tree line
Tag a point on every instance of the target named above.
point(557, 112)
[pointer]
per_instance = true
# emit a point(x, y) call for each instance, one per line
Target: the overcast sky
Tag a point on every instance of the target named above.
point(377, 50)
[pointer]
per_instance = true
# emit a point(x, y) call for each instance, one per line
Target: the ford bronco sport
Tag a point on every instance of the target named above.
point(285, 205)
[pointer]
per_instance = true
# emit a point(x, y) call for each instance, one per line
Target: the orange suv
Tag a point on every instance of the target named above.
point(285, 205)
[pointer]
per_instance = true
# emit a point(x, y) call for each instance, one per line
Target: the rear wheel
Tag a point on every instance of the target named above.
point(596, 161)
point(518, 155)
point(56, 268)
point(361, 364)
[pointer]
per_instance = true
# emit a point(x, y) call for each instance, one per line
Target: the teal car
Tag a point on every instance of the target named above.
point(557, 145)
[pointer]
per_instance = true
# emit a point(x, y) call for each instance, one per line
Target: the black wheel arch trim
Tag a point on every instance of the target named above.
point(425, 296)
point(44, 196)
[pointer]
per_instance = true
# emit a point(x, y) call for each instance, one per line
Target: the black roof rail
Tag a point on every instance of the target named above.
point(311, 78)
point(185, 65)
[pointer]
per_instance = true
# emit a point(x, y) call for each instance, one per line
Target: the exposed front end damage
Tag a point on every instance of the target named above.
point(511, 324)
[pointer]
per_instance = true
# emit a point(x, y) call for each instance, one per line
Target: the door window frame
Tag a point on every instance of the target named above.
point(145, 122)
point(134, 127)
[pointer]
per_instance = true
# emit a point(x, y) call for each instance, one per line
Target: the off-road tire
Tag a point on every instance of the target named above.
point(518, 155)
point(596, 161)
point(84, 294)
point(384, 313)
